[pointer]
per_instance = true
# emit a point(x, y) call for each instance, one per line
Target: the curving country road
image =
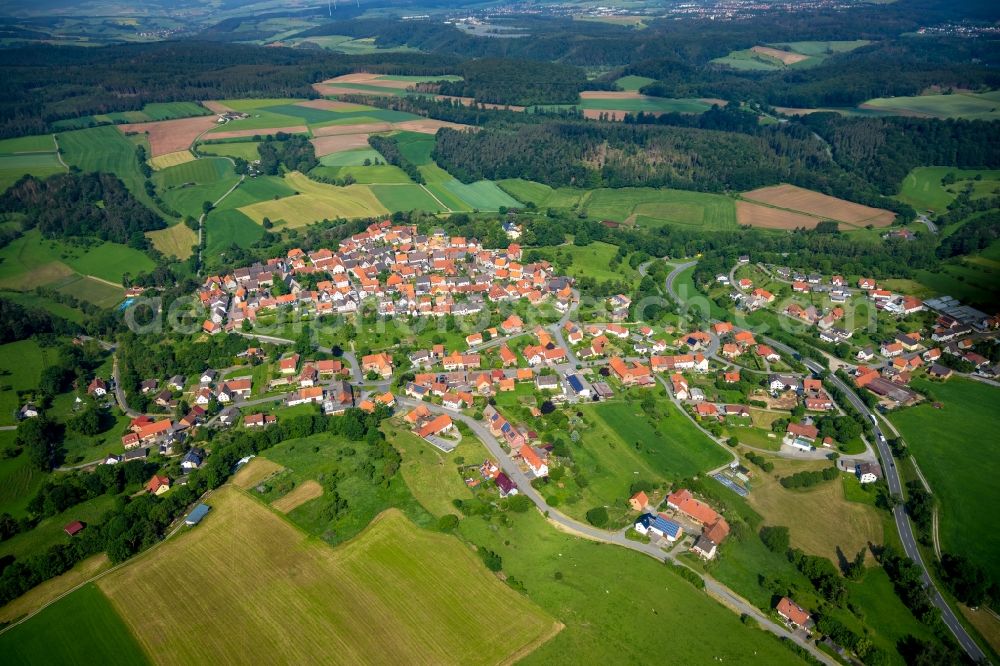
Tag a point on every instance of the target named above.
point(714, 588)
point(892, 478)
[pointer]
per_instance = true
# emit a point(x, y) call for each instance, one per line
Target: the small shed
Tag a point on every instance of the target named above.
point(74, 528)
point(197, 514)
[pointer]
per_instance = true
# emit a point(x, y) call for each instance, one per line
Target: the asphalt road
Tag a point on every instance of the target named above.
point(891, 475)
point(712, 586)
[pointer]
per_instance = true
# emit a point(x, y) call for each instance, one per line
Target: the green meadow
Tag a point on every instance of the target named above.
point(971, 106)
point(961, 460)
point(82, 628)
point(922, 187)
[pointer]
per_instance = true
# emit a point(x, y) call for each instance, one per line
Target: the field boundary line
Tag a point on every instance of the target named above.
point(446, 208)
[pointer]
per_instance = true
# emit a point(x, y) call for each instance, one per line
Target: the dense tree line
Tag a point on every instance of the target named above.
point(807, 479)
point(389, 149)
point(976, 234)
point(44, 84)
point(908, 580)
point(18, 322)
point(82, 204)
point(293, 151)
point(519, 82)
point(616, 155)
point(884, 150)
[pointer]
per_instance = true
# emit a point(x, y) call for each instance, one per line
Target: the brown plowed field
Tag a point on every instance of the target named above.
point(786, 57)
point(326, 145)
point(217, 107)
point(820, 205)
point(772, 218)
point(171, 136)
point(428, 126)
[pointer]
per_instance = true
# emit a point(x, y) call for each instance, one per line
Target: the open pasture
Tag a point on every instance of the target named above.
point(633, 83)
point(82, 628)
point(426, 590)
point(175, 241)
point(23, 360)
point(244, 149)
point(107, 149)
point(205, 170)
point(812, 203)
point(961, 463)
point(41, 165)
point(171, 159)
point(171, 136)
point(316, 201)
point(629, 102)
point(406, 198)
point(302, 493)
point(351, 157)
point(543, 196)
point(153, 111)
point(821, 48)
point(971, 106)
point(785, 57)
point(922, 187)
point(227, 227)
point(651, 207)
point(845, 525)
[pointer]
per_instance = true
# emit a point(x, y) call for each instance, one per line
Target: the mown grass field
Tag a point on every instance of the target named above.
point(646, 104)
point(960, 458)
point(415, 147)
point(406, 198)
point(225, 228)
point(150, 112)
point(21, 366)
point(923, 190)
point(846, 525)
point(483, 195)
point(205, 170)
point(971, 279)
point(174, 241)
point(592, 260)
point(245, 149)
point(604, 622)
point(29, 259)
point(622, 444)
point(257, 189)
point(41, 165)
point(33, 300)
point(971, 106)
point(49, 531)
point(655, 207)
point(82, 628)
point(633, 83)
point(53, 588)
point(426, 590)
point(818, 48)
point(384, 174)
point(542, 195)
point(316, 201)
point(106, 149)
point(171, 159)
point(19, 481)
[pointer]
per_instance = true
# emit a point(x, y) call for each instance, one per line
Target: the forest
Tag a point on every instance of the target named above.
point(75, 204)
point(520, 82)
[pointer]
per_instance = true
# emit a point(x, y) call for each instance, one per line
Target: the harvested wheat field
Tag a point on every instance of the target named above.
point(264, 591)
point(820, 205)
point(325, 145)
point(255, 471)
point(369, 80)
point(299, 495)
point(773, 218)
point(850, 526)
point(242, 134)
point(216, 107)
point(362, 128)
point(171, 136)
point(171, 159)
point(786, 57)
point(610, 94)
point(174, 241)
point(427, 126)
